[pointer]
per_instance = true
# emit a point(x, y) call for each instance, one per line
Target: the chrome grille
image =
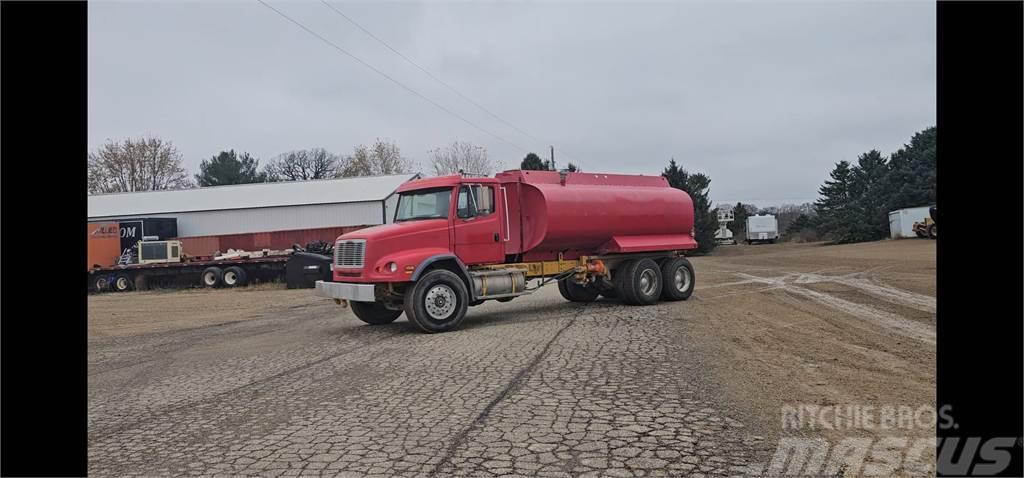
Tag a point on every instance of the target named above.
point(349, 254)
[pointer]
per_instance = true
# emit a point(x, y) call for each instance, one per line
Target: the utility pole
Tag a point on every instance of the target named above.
point(553, 159)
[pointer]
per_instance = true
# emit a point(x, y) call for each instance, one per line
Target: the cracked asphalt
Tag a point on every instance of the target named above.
point(273, 382)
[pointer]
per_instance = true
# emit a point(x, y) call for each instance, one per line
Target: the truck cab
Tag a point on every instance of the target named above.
point(448, 217)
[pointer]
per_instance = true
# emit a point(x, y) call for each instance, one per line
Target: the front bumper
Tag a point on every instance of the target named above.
point(345, 291)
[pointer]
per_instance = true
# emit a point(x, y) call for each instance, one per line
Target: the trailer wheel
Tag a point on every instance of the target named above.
point(574, 292)
point(679, 279)
point(437, 302)
point(640, 282)
point(122, 283)
point(211, 277)
point(101, 284)
point(234, 276)
point(374, 313)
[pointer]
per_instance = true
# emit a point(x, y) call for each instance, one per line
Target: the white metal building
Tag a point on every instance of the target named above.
point(901, 221)
point(258, 208)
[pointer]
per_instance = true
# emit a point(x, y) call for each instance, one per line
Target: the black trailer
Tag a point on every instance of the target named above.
point(204, 273)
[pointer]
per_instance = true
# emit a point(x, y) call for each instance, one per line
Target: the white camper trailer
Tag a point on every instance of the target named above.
point(762, 228)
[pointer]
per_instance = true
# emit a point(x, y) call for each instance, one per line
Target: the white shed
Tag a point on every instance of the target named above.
point(901, 221)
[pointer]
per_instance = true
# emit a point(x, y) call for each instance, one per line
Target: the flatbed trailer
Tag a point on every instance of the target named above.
point(205, 273)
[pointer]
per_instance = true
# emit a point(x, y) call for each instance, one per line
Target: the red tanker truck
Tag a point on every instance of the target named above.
point(458, 241)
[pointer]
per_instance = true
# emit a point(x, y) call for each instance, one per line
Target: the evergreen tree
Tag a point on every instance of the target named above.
point(911, 178)
point(870, 217)
point(697, 185)
point(801, 222)
point(532, 162)
point(856, 201)
point(835, 212)
point(738, 226)
point(229, 168)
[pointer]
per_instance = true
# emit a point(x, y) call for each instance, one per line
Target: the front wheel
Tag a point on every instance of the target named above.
point(932, 231)
point(679, 279)
point(437, 302)
point(374, 313)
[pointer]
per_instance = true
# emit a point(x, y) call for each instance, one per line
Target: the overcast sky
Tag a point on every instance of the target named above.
point(763, 97)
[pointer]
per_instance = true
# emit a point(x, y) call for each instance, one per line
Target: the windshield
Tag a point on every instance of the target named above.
point(423, 204)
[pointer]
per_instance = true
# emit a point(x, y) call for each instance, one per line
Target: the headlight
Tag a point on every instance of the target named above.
point(392, 266)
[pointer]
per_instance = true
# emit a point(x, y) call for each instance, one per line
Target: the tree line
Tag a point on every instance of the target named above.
point(855, 201)
point(154, 164)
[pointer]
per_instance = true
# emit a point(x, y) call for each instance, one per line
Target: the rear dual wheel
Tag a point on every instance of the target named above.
point(679, 279)
point(639, 282)
point(121, 283)
point(644, 281)
point(234, 276)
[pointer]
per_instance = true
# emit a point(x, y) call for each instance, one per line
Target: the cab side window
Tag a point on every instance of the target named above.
point(475, 200)
point(465, 208)
point(484, 198)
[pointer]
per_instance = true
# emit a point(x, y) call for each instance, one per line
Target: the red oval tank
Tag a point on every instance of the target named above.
point(588, 214)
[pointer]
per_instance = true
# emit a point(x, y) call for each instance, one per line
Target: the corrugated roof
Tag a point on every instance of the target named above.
point(245, 196)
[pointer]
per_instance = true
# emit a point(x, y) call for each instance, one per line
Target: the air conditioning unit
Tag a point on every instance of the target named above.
point(157, 252)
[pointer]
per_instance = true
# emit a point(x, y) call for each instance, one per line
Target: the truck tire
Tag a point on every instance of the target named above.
point(211, 277)
point(640, 282)
point(437, 302)
point(932, 231)
point(574, 292)
point(122, 283)
point(374, 313)
point(609, 294)
point(234, 276)
point(101, 283)
point(679, 279)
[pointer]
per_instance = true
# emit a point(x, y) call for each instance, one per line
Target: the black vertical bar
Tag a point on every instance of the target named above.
point(43, 331)
point(979, 286)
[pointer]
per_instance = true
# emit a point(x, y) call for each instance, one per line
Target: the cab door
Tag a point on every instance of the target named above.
point(477, 225)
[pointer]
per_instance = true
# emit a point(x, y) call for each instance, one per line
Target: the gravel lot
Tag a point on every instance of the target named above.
point(277, 382)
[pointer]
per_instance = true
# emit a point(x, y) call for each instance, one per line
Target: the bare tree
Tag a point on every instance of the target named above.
point(143, 164)
point(383, 157)
point(461, 156)
point(302, 165)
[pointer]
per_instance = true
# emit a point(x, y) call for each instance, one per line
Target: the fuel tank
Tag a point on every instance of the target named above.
point(588, 214)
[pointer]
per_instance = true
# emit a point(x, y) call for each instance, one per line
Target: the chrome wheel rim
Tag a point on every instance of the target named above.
point(682, 279)
point(440, 302)
point(648, 281)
